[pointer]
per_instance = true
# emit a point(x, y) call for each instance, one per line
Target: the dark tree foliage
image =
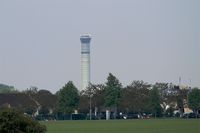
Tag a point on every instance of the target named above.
point(96, 92)
point(169, 112)
point(113, 92)
point(68, 98)
point(194, 100)
point(30, 110)
point(135, 98)
point(46, 100)
point(12, 121)
point(181, 96)
point(98, 97)
point(154, 102)
point(18, 100)
point(84, 104)
point(44, 110)
point(180, 104)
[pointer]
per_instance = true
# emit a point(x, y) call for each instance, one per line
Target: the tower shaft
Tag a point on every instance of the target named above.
point(85, 61)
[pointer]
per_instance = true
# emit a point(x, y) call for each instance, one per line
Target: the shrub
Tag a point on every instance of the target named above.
point(12, 121)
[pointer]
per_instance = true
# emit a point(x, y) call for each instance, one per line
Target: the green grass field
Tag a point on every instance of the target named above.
point(125, 126)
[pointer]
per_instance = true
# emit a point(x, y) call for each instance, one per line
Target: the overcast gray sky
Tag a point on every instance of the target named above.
point(150, 40)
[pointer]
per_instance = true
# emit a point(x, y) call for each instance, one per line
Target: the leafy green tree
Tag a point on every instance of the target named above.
point(98, 97)
point(135, 98)
point(92, 98)
point(68, 98)
point(84, 103)
point(180, 97)
point(161, 87)
point(96, 92)
point(194, 100)
point(154, 102)
point(113, 92)
point(12, 121)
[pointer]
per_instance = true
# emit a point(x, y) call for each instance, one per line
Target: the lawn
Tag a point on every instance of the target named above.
point(125, 126)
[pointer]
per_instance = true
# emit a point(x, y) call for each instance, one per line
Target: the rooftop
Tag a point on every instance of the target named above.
point(85, 36)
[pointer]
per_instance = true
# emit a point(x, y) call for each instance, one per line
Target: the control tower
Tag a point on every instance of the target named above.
point(85, 61)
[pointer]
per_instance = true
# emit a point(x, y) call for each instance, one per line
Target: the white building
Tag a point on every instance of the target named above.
point(85, 61)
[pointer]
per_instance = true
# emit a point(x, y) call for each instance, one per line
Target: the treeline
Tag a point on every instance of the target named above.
point(6, 88)
point(137, 100)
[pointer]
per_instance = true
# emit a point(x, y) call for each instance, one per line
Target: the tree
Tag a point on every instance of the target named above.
point(98, 97)
point(194, 100)
point(7, 89)
point(154, 102)
point(113, 93)
point(96, 92)
point(30, 110)
point(31, 90)
point(169, 112)
point(92, 98)
point(68, 98)
point(44, 110)
point(46, 100)
point(84, 103)
point(135, 97)
point(181, 96)
point(12, 121)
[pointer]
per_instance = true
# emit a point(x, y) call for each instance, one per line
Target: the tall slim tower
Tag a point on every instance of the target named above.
point(85, 61)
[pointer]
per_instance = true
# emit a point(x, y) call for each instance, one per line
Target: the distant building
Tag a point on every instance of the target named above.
point(85, 61)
